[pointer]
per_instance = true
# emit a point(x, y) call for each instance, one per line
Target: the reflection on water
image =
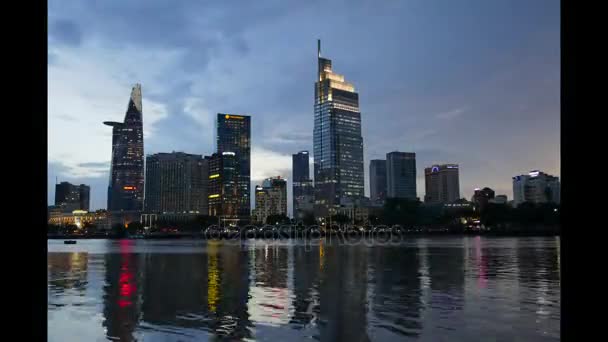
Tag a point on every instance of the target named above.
point(435, 289)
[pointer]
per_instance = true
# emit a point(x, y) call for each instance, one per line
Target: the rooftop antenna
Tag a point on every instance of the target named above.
point(319, 48)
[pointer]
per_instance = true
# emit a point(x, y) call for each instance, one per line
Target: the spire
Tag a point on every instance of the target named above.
point(136, 96)
point(319, 48)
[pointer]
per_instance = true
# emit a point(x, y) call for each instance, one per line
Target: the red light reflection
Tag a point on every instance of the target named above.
point(126, 280)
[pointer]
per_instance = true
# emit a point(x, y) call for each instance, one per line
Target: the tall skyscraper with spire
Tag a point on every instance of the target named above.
point(126, 187)
point(337, 140)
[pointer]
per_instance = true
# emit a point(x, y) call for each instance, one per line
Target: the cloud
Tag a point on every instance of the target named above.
point(96, 165)
point(196, 109)
point(266, 163)
point(449, 115)
point(290, 138)
point(153, 113)
point(66, 32)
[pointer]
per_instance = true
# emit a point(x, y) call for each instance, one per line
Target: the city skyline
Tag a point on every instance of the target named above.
point(496, 120)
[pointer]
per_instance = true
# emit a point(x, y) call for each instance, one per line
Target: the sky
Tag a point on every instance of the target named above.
point(472, 82)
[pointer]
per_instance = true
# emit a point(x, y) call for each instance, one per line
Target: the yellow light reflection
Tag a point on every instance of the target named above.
point(213, 278)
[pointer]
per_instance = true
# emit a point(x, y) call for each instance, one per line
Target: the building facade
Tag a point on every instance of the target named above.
point(233, 141)
point(79, 218)
point(303, 191)
point(72, 197)
point(126, 186)
point(401, 175)
point(442, 184)
point(270, 199)
point(223, 189)
point(536, 187)
point(377, 180)
point(176, 183)
point(337, 140)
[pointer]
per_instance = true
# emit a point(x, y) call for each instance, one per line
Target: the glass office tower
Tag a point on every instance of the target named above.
point(337, 140)
point(401, 175)
point(126, 188)
point(303, 197)
point(377, 180)
point(233, 136)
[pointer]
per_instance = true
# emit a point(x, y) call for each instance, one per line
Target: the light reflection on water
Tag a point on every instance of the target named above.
point(434, 289)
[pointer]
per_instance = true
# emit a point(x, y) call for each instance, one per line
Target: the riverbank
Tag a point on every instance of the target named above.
point(294, 235)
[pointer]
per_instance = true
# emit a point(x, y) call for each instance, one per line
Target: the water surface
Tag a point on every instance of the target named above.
point(427, 289)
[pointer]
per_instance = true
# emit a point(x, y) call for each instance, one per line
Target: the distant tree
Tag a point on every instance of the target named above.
point(135, 227)
point(496, 214)
point(400, 211)
point(119, 230)
point(277, 219)
point(373, 219)
point(340, 219)
point(54, 229)
point(309, 219)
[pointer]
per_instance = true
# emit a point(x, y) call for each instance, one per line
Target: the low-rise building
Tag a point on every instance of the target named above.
point(79, 218)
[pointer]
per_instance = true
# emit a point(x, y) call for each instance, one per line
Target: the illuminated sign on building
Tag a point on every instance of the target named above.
point(228, 153)
point(128, 187)
point(452, 166)
point(214, 196)
point(214, 176)
point(234, 117)
point(534, 173)
point(435, 169)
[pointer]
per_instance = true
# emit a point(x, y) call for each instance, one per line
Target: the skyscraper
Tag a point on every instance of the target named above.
point(441, 184)
point(270, 199)
point(377, 180)
point(176, 183)
point(303, 196)
point(536, 187)
point(233, 136)
point(222, 187)
point(126, 188)
point(72, 197)
point(337, 140)
point(401, 175)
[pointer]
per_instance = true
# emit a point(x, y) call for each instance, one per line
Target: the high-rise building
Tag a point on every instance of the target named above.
point(337, 140)
point(270, 199)
point(223, 190)
point(303, 196)
point(72, 197)
point(176, 183)
point(536, 187)
point(233, 139)
point(377, 180)
point(441, 184)
point(126, 188)
point(401, 175)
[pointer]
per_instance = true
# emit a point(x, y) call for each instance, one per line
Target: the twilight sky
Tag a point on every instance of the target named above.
point(468, 82)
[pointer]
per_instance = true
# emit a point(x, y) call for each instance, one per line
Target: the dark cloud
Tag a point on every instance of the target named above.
point(65, 32)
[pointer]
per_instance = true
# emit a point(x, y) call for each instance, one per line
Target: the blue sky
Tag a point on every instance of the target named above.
point(468, 82)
